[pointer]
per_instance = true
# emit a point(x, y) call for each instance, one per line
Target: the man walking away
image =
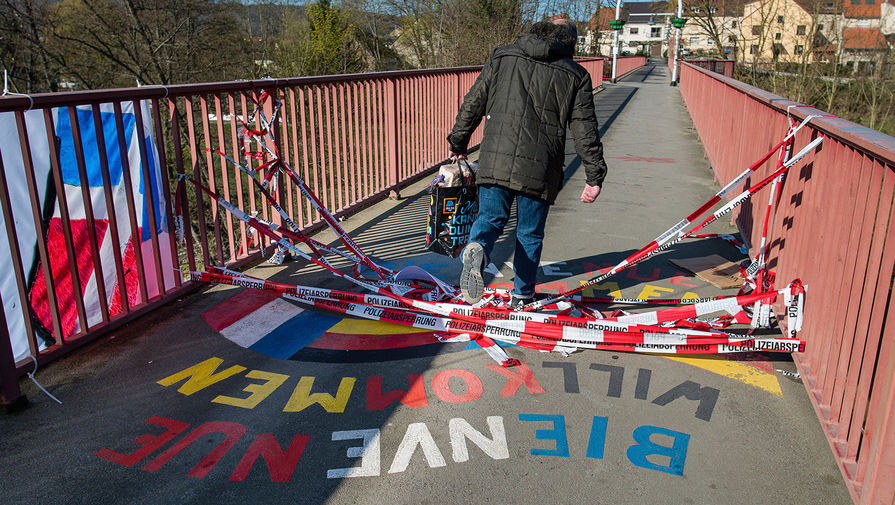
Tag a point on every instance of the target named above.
point(529, 92)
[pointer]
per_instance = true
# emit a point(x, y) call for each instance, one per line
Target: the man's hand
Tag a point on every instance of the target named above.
point(590, 193)
point(455, 156)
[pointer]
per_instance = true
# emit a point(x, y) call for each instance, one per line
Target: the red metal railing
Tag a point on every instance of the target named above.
point(629, 64)
point(625, 65)
point(352, 138)
point(723, 67)
point(594, 67)
point(835, 228)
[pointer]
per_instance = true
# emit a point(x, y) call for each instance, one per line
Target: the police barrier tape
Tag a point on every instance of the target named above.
point(564, 338)
point(602, 334)
point(496, 316)
point(666, 239)
point(545, 335)
point(421, 304)
point(756, 273)
point(270, 230)
point(645, 321)
point(277, 164)
point(314, 245)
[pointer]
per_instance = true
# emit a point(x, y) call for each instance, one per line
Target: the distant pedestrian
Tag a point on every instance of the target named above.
point(529, 92)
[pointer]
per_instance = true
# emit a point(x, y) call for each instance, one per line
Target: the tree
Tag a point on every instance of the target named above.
point(713, 18)
point(106, 43)
point(421, 27)
point(330, 48)
point(876, 93)
point(437, 33)
point(374, 32)
point(755, 32)
point(475, 27)
point(318, 40)
point(22, 31)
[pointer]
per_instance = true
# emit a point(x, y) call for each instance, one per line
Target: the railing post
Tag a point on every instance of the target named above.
point(11, 397)
point(458, 101)
point(876, 477)
point(391, 136)
point(458, 93)
point(276, 143)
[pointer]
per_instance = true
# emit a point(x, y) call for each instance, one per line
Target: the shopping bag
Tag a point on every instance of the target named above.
point(452, 210)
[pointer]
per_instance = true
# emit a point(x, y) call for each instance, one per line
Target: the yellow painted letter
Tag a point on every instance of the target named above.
point(650, 291)
point(259, 391)
point(612, 287)
point(302, 397)
point(201, 376)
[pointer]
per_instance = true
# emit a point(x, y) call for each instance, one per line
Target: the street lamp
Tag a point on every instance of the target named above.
point(678, 24)
point(616, 24)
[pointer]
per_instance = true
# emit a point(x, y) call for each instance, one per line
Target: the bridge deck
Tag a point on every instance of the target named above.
point(593, 427)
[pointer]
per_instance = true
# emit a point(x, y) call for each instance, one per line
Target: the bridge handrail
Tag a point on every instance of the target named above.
point(834, 228)
point(354, 138)
point(624, 65)
point(724, 67)
point(45, 100)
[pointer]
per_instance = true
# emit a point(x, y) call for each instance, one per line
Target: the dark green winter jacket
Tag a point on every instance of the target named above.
point(529, 92)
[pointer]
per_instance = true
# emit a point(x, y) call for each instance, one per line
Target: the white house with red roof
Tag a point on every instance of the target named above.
point(864, 33)
point(860, 32)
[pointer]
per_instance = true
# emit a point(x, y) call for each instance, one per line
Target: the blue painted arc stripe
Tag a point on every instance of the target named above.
point(475, 345)
point(293, 335)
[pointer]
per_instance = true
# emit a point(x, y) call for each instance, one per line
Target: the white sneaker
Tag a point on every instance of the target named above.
point(472, 286)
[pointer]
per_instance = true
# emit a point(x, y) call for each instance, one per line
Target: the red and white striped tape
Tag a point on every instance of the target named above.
point(277, 163)
point(563, 338)
point(666, 239)
point(551, 333)
point(644, 322)
point(416, 302)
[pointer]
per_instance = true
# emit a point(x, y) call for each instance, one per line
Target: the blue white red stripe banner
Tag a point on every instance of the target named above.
point(134, 240)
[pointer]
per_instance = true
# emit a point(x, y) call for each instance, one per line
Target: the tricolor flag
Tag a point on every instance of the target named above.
point(130, 237)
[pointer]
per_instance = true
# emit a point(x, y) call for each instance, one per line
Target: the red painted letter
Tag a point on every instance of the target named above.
point(233, 432)
point(280, 465)
point(514, 380)
point(679, 280)
point(149, 443)
point(632, 274)
point(415, 396)
point(442, 387)
point(557, 285)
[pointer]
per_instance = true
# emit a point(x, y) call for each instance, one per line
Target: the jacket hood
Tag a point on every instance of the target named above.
point(544, 48)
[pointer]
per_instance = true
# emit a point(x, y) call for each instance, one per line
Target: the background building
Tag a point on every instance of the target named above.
point(858, 33)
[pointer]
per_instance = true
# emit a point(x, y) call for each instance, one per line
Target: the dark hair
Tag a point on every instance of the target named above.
point(565, 32)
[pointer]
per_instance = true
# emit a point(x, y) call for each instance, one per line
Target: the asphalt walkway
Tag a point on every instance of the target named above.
point(233, 396)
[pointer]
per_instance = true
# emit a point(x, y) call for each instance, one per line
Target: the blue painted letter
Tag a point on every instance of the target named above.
point(644, 447)
point(597, 438)
point(558, 433)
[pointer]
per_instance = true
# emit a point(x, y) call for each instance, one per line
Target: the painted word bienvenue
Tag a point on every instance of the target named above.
point(262, 384)
point(282, 463)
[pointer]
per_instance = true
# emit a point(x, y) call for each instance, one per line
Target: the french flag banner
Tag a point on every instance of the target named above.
point(135, 247)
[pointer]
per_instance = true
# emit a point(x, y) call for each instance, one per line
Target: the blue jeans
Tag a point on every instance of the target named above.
point(531, 216)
